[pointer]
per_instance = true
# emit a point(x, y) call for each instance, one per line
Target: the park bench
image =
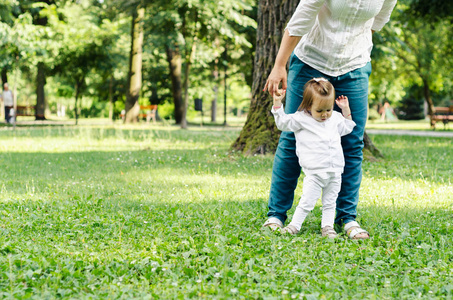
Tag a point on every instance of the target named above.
point(442, 114)
point(25, 110)
point(147, 112)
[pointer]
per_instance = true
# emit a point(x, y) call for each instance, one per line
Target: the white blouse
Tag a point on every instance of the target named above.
point(7, 97)
point(318, 144)
point(336, 34)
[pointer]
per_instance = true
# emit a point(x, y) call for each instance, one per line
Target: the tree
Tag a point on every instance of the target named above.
point(190, 26)
point(86, 40)
point(42, 12)
point(32, 43)
point(420, 49)
point(259, 134)
point(7, 47)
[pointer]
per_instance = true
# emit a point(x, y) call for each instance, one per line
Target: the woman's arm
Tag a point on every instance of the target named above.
point(278, 73)
point(301, 23)
point(384, 15)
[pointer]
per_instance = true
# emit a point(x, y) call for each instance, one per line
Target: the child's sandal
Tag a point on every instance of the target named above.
point(290, 229)
point(328, 231)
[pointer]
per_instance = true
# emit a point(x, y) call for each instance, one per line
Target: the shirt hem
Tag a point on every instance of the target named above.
point(331, 72)
point(323, 171)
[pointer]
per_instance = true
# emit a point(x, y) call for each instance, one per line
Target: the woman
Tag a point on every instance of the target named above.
point(330, 39)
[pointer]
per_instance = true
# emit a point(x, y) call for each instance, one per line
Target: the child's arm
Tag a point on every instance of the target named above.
point(343, 103)
point(347, 125)
point(283, 121)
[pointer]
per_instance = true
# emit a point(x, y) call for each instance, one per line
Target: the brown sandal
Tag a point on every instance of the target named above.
point(290, 229)
point(354, 230)
point(273, 223)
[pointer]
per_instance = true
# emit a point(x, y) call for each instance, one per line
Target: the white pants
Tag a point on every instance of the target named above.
point(328, 185)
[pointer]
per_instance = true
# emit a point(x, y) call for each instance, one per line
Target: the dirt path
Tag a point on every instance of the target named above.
point(411, 132)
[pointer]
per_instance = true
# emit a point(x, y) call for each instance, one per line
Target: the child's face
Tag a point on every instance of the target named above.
point(321, 110)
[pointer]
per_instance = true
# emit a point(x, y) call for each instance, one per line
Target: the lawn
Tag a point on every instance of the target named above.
point(123, 212)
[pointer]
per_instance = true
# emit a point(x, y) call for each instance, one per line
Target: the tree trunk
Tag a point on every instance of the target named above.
point(76, 108)
point(4, 80)
point(185, 103)
point(111, 103)
point(214, 106)
point(175, 64)
point(135, 67)
point(259, 134)
point(215, 74)
point(428, 99)
point(40, 94)
point(225, 86)
point(4, 76)
point(370, 152)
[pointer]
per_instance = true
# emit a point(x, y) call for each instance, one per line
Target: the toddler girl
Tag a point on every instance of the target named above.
point(318, 130)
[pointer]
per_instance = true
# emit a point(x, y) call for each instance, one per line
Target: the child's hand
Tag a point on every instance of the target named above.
point(278, 97)
point(342, 102)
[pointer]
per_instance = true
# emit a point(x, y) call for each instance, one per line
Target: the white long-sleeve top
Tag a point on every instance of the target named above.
point(318, 144)
point(7, 97)
point(336, 34)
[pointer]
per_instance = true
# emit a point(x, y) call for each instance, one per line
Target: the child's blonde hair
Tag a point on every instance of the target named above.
point(319, 88)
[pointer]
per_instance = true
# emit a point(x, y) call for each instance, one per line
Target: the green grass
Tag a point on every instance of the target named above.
point(157, 212)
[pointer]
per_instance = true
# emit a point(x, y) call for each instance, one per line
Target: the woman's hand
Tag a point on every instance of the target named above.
point(277, 75)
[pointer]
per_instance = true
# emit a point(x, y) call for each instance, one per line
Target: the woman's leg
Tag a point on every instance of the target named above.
point(286, 168)
point(354, 85)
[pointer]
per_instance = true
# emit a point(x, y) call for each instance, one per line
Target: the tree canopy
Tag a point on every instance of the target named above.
point(61, 50)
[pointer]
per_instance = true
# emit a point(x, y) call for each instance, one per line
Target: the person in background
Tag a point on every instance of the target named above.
point(8, 101)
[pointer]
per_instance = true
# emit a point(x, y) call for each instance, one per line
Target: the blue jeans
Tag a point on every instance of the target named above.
point(286, 169)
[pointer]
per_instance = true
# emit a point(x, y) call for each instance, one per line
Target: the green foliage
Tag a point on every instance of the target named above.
point(92, 38)
point(95, 110)
point(213, 27)
point(96, 212)
point(432, 10)
point(411, 109)
point(411, 51)
point(166, 110)
point(373, 114)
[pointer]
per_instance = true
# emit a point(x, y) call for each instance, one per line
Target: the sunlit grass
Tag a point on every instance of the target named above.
point(158, 212)
point(233, 122)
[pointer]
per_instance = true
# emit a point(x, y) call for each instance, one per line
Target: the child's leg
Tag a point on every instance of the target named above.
point(329, 198)
point(312, 188)
point(286, 169)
